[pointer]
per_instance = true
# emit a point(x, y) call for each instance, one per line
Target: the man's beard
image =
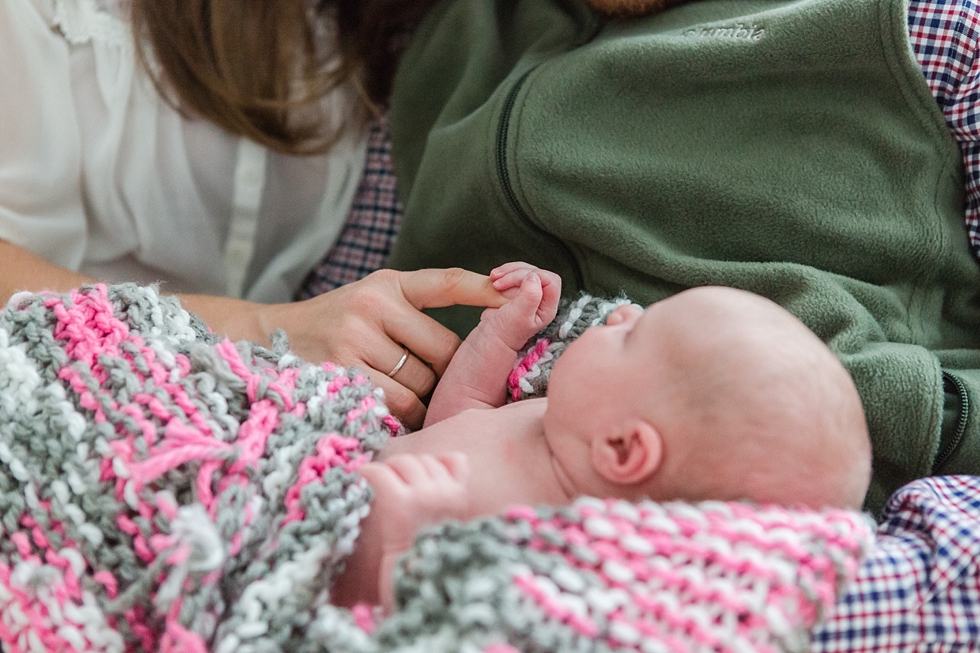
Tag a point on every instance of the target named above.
point(632, 8)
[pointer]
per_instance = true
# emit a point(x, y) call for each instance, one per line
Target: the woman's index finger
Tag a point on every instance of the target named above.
point(435, 288)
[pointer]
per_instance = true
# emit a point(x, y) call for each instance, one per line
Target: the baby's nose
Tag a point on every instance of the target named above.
point(624, 313)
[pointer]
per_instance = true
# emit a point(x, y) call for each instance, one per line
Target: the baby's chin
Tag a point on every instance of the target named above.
point(632, 8)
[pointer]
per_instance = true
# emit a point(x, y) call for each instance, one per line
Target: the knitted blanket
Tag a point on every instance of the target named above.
point(165, 490)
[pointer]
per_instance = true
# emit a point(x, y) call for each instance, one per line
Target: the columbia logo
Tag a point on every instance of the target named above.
point(739, 32)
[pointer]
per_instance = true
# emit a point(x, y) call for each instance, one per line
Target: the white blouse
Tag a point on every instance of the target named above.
point(99, 174)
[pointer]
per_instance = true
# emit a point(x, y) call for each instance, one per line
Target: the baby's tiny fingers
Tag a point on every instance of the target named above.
point(457, 464)
point(531, 291)
point(510, 284)
point(380, 477)
point(409, 467)
point(434, 467)
point(549, 279)
point(506, 268)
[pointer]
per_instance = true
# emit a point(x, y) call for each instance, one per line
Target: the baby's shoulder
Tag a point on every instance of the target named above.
point(527, 414)
point(518, 417)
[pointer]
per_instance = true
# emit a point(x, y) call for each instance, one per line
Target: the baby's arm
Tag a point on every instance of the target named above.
point(477, 374)
point(410, 492)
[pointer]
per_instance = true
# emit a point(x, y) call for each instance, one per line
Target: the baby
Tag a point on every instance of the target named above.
point(714, 393)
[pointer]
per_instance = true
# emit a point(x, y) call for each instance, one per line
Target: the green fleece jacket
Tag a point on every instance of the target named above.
point(790, 148)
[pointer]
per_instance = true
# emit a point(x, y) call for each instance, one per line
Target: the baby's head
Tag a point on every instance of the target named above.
point(714, 393)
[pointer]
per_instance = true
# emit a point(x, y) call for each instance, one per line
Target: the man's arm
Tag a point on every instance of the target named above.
point(477, 374)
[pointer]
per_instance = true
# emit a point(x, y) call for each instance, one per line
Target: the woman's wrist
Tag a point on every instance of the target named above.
point(21, 269)
point(235, 319)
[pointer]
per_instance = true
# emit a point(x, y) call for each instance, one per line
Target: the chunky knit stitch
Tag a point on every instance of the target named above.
point(614, 576)
point(162, 489)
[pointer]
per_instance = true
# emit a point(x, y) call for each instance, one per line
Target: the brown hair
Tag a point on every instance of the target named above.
point(373, 33)
point(259, 68)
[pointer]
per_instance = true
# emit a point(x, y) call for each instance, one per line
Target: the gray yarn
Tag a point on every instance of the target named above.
point(56, 440)
point(573, 318)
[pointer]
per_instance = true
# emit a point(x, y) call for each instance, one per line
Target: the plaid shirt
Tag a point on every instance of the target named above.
point(919, 590)
point(372, 224)
point(944, 36)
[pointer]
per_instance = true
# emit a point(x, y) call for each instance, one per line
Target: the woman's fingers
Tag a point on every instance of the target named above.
point(396, 299)
point(427, 340)
point(372, 322)
point(416, 376)
point(435, 288)
point(400, 364)
point(402, 402)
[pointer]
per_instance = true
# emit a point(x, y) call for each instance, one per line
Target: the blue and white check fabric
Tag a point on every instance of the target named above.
point(944, 35)
point(919, 589)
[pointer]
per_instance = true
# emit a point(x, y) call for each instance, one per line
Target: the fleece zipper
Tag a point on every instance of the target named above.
point(954, 442)
point(503, 177)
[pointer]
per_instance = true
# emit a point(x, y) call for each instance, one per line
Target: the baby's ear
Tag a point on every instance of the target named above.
point(629, 457)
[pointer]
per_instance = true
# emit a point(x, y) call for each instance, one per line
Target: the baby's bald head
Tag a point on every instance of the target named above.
point(763, 409)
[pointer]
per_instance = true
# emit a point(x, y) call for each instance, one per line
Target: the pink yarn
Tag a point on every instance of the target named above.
point(331, 450)
point(177, 639)
point(500, 648)
point(363, 615)
point(681, 569)
point(524, 366)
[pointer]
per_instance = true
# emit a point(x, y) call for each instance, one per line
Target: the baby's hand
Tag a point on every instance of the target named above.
point(412, 492)
point(534, 295)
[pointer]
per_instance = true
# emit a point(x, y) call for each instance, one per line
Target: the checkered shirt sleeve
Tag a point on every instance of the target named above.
point(944, 35)
point(372, 224)
point(919, 590)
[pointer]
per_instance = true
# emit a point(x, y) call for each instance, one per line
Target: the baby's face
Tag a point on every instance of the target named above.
point(591, 370)
point(603, 379)
point(725, 378)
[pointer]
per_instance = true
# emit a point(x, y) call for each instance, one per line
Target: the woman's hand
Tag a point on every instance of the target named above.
point(369, 324)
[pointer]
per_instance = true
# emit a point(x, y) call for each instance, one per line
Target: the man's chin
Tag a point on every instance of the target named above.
point(632, 8)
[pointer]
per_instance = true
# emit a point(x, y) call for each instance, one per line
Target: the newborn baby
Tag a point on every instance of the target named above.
point(713, 393)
